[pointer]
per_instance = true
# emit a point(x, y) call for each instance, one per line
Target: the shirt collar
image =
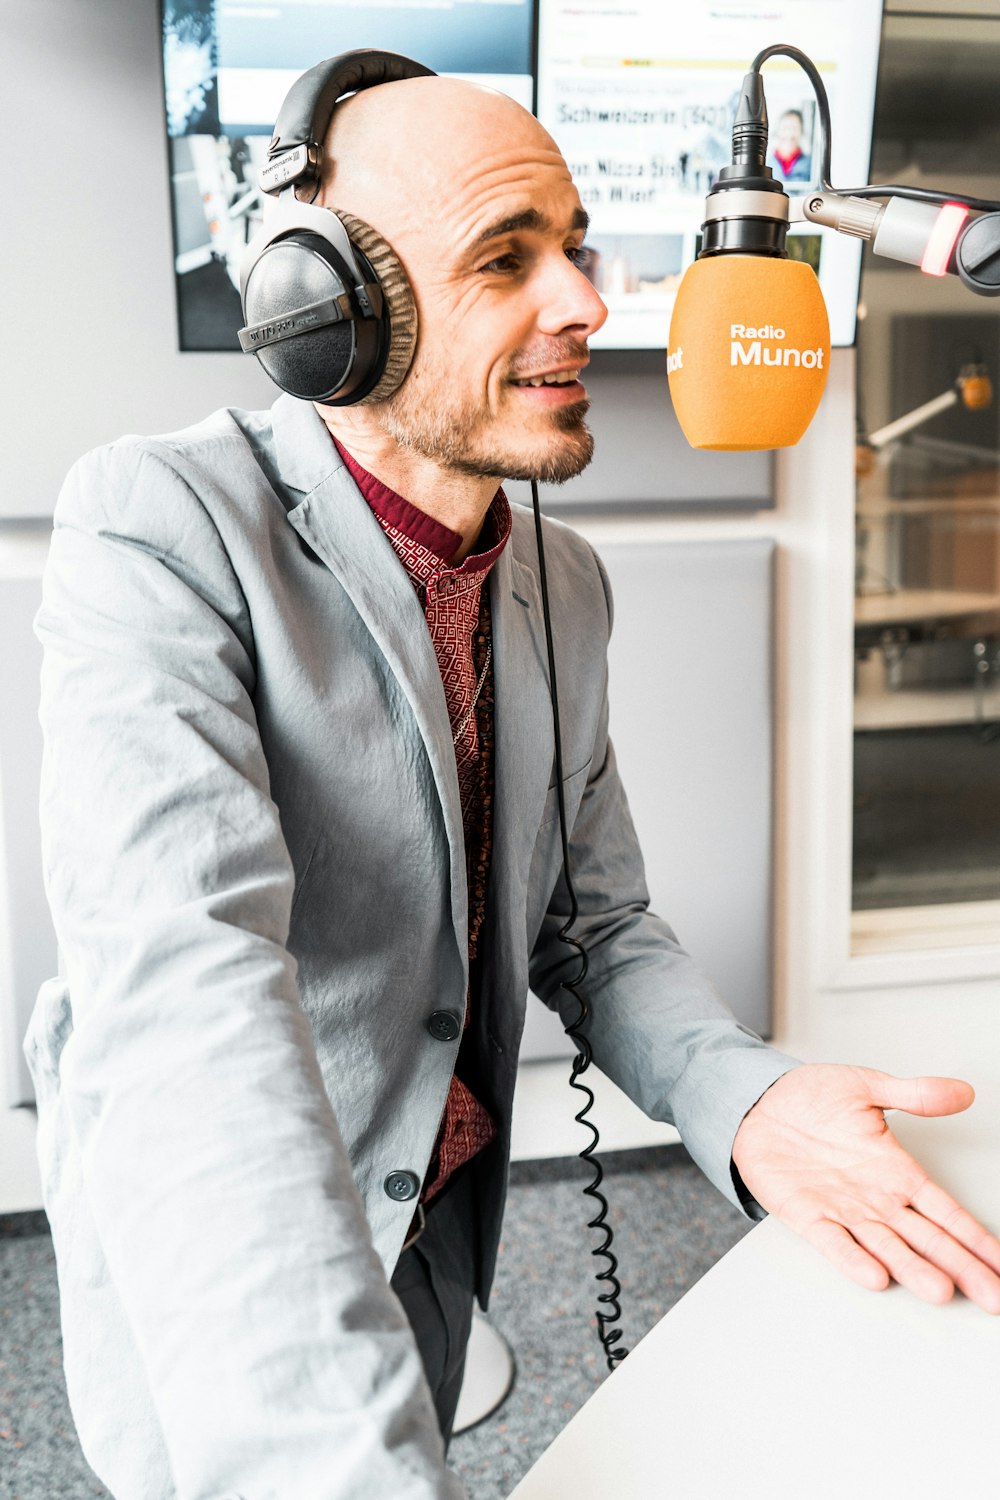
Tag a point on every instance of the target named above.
point(430, 536)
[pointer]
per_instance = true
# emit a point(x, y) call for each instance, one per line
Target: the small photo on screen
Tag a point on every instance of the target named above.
point(790, 147)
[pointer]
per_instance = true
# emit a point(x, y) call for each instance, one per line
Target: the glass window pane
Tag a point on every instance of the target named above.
point(927, 611)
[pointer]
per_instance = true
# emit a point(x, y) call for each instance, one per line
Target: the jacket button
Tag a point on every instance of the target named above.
point(444, 1025)
point(402, 1186)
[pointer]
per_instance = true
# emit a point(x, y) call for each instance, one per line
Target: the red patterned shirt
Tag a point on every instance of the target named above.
point(456, 609)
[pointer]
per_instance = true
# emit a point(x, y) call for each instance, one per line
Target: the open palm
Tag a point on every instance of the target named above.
point(816, 1152)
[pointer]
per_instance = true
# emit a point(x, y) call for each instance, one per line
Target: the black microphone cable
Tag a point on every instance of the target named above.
point(609, 1313)
point(872, 190)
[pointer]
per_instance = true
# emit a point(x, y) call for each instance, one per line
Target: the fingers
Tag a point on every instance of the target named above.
point(919, 1096)
point(904, 1265)
point(976, 1280)
point(930, 1259)
point(833, 1241)
point(938, 1206)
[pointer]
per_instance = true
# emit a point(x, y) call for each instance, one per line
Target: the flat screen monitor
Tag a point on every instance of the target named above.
point(640, 96)
point(227, 66)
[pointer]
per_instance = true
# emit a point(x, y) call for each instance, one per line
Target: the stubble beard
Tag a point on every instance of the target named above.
point(453, 435)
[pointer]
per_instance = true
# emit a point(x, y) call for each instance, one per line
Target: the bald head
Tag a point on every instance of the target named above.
point(399, 154)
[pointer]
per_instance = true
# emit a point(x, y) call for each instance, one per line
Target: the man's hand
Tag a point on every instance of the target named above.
point(816, 1152)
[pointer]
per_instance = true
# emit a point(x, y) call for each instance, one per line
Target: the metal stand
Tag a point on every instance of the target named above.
point(489, 1375)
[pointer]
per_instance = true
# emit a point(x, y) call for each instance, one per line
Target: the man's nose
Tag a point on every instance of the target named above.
point(569, 302)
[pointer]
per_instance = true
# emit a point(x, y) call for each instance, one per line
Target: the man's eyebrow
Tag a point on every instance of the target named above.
point(531, 219)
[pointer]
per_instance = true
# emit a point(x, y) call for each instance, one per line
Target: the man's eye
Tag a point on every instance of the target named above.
point(502, 263)
point(581, 255)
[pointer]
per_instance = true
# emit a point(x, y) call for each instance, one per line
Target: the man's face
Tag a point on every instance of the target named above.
point(504, 320)
point(489, 227)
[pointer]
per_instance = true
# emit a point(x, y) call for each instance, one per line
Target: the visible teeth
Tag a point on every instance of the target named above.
point(561, 377)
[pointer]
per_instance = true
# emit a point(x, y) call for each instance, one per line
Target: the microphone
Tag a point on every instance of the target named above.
point(972, 386)
point(749, 344)
point(975, 386)
point(749, 340)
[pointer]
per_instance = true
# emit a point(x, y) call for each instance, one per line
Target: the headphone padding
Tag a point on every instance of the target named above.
point(399, 302)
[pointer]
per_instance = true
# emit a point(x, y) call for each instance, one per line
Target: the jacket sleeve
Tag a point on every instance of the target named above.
point(656, 1024)
point(279, 1361)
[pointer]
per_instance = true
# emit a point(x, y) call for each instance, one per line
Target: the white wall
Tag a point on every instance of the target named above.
point(89, 309)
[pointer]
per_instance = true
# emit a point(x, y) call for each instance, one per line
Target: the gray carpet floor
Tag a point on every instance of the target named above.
point(670, 1225)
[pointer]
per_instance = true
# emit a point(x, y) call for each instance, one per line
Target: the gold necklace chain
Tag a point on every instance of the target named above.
point(475, 697)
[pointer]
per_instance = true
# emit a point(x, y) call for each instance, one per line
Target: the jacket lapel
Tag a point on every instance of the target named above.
point(524, 742)
point(333, 518)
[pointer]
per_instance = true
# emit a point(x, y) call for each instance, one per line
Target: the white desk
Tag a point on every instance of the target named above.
point(776, 1377)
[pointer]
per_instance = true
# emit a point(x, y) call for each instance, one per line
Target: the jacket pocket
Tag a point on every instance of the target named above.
point(573, 789)
point(300, 880)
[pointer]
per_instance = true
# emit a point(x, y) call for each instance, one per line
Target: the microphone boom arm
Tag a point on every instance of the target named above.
point(916, 418)
point(939, 232)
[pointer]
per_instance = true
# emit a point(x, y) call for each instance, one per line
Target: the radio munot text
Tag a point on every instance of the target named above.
point(748, 348)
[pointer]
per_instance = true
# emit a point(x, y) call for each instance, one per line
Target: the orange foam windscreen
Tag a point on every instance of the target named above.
point(977, 391)
point(749, 352)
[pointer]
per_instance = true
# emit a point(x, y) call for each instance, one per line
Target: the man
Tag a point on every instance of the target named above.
point(787, 158)
point(301, 843)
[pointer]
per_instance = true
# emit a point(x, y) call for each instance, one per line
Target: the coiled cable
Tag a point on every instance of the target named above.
point(609, 1311)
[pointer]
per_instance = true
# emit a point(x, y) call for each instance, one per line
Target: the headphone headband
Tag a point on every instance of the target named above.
point(296, 145)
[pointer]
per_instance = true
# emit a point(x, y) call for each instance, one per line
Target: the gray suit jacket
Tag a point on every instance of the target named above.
point(255, 861)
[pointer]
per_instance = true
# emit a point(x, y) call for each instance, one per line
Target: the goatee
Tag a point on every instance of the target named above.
point(443, 434)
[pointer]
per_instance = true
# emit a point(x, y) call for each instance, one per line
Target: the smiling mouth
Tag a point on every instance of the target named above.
point(558, 377)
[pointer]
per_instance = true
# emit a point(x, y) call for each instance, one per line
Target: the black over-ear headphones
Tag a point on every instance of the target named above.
point(329, 311)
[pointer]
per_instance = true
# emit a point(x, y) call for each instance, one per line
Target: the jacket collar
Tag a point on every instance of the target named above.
point(305, 452)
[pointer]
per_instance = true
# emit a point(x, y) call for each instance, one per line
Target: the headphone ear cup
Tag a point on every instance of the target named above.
point(295, 271)
point(400, 306)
